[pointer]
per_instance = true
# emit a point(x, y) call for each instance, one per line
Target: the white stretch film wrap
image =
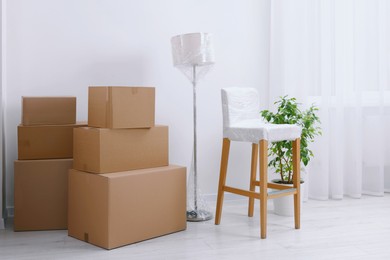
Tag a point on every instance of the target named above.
point(193, 55)
point(195, 204)
point(242, 120)
point(193, 49)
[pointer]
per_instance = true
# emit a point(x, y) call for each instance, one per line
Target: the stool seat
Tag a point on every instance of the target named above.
point(253, 130)
point(242, 122)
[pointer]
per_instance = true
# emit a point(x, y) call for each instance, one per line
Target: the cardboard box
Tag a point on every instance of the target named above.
point(48, 110)
point(117, 209)
point(46, 141)
point(103, 150)
point(41, 194)
point(121, 107)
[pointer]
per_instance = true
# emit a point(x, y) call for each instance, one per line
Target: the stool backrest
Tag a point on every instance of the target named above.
point(239, 104)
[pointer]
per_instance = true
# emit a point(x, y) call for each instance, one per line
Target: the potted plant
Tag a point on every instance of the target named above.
point(288, 112)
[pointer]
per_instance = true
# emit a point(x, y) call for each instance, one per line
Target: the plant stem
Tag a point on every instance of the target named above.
point(281, 169)
point(288, 167)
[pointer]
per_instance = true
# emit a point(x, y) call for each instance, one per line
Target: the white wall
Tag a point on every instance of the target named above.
point(1, 117)
point(61, 47)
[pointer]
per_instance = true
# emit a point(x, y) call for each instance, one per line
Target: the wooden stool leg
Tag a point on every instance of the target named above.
point(297, 181)
point(252, 186)
point(222, 178)
point(263, 186)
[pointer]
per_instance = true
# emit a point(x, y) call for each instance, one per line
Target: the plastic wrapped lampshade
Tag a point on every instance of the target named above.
point(193, 49)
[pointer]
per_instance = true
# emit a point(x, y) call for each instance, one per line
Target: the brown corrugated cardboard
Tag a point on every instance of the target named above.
point(103, 150)
point(117, 209)
point(41, 194)
point(46, 141)
point(48, 110)
point(121, 107)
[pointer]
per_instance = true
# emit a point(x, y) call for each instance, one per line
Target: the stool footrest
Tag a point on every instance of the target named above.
point(281, 193)
point(273, 185)
point(250, 194)
point(278, 186)
point(256, 195)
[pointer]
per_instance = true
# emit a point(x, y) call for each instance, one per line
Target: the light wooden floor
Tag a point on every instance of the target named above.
point(345, 229)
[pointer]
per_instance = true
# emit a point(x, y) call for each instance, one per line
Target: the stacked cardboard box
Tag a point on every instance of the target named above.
point(122, 189)
point(45, 151)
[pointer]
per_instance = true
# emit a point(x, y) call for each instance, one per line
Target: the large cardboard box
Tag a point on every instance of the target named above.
point(41, 194)
point(48, 110)
point(46, 141)
point(117, 209)
point(103, 150)
point(121, 107)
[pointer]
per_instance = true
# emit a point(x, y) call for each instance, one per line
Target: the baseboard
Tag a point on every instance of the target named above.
point(9, 212)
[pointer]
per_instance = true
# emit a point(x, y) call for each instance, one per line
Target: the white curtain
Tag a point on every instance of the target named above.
point(336, 54)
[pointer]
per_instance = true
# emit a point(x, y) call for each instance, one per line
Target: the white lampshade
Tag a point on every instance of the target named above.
point(192, 49)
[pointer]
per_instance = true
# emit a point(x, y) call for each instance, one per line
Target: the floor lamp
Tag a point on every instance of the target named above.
point(193, 54)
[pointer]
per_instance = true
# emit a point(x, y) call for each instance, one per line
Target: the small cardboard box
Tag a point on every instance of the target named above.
point(48, 110)
point(103, 150)
point(46, 141)
point(117, 209)
point(121, 107)
point(41, 194)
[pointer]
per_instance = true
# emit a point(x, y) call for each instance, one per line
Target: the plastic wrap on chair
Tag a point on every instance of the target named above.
point(242, 120)
point(239, 104)
point(254, 130)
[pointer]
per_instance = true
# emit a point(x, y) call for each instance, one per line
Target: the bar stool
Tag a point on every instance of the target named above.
point(242, 122)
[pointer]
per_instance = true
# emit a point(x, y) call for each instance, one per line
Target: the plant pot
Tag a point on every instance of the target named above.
point(284, 206)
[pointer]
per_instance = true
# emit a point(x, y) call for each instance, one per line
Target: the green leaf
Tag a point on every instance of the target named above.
point(288, 112)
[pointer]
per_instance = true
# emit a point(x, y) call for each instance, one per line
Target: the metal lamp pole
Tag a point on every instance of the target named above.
point(196, 214)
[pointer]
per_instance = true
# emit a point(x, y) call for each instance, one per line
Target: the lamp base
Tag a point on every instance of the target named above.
point(198, 215)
